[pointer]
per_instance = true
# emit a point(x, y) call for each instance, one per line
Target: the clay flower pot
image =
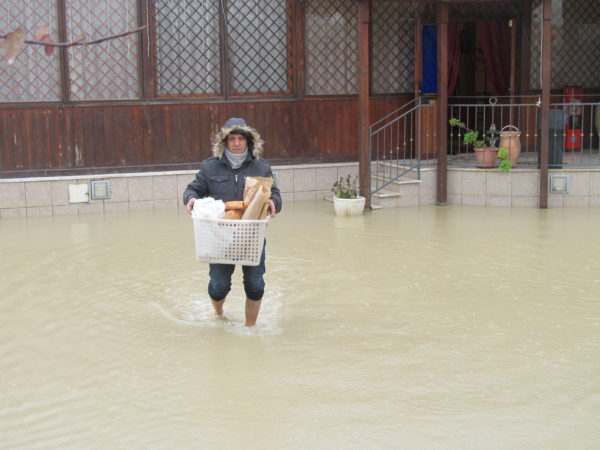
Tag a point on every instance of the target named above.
point(486, 156)
point(510, 140)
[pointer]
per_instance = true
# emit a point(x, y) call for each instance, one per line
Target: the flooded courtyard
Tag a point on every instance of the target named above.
point(412, 328)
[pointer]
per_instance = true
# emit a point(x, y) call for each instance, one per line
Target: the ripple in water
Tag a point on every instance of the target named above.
point(187, 305)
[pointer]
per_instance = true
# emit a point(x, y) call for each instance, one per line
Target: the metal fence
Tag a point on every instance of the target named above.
point(405, 140)
point(573, 134)
point(400, 141)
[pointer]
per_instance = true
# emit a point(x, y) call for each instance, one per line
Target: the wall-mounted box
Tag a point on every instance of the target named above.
point(79, 193)
point(100, 189)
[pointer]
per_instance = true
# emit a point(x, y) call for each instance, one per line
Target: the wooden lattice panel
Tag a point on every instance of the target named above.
point(535, 63)
point(576, 44)
point(187, 41)
point(34, 76)
point(393, 40)
point(331, 47)
point(108, 70)
point(575, 49)
point(483, 10)
point(258, 46)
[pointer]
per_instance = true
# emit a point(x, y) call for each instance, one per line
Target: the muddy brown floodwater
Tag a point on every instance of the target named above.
point(415, 328)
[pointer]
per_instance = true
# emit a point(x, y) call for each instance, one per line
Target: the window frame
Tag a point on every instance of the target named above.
point(226, 91)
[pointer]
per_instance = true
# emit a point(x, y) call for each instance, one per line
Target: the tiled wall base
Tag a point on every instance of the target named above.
point(32, 197)
point(520, 188)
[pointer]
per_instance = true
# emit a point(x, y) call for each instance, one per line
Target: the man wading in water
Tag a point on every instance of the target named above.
point(237, 151)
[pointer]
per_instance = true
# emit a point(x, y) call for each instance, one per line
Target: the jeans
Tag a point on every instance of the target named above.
point(220, 280)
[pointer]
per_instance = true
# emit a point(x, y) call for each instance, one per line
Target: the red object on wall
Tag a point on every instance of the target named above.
point(572, 97)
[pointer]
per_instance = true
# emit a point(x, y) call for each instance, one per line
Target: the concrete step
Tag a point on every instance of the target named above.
point(386, 166)
point(395, 186)
point(397, 193)
point(386, 194)
point(385, 199)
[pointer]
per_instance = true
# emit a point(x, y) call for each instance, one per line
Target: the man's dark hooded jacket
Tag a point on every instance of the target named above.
point(217, 179)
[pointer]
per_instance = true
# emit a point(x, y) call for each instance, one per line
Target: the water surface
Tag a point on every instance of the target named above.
point(416, 328)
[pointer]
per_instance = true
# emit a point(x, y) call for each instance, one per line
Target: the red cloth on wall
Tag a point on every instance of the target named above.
point(495, 42)
point(453, 55)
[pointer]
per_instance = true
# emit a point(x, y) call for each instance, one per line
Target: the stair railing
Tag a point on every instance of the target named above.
point(396, 142)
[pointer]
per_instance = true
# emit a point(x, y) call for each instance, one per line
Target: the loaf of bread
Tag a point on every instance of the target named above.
point(233, 214)
point(235, 205)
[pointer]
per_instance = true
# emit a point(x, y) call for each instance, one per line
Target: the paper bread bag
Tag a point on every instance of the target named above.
point(257, 192)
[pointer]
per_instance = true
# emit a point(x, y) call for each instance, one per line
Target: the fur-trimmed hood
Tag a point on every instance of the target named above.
point(255, 143)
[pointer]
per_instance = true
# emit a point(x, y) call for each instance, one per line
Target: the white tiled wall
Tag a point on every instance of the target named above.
point(33, 197)
point(520, 188)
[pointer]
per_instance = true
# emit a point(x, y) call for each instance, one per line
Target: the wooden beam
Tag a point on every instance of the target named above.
point(418, 56)
point(513, 58)
point(545, 112)
point(146, 62)
point(442, 14)
point(299, 53)
point(363, 100)
point(224, 49)
point(63, 52)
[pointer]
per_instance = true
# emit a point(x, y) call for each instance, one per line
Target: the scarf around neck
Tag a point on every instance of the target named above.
point(236, 160)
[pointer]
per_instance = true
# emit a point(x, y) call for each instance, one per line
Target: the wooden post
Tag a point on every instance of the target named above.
point(63, 51)
point(363, 100)
point(545, 112)
point(146, 60)
point(224, 49)
point(418, 56)
point(513, 62)
point(442, 104)
point(300, 27)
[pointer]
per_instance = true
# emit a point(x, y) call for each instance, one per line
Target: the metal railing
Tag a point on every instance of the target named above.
point(573, 135)
point(399, 142)
point(404, 140)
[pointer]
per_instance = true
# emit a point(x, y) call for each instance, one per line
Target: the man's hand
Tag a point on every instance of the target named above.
point(272, 209)
point(190, 205)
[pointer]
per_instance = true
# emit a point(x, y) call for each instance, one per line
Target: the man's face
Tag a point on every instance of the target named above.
point(236, 143)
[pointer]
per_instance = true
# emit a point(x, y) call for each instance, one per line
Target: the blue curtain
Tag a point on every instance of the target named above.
point(430, 68)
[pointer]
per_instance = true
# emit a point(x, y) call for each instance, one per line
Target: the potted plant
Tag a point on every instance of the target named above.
point(505, 160)
point(484, 155)
point(346, 201)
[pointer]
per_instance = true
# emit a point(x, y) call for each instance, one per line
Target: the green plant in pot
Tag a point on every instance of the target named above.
point(505, 162)
point(486, 156)
point(346, 187)
point(346, 201)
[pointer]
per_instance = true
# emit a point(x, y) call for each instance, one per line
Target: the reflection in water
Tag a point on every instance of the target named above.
point(434, 327)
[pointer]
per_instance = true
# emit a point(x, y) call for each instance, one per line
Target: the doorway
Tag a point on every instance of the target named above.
point(481, 58)
point(484, 60)
point(471, 77)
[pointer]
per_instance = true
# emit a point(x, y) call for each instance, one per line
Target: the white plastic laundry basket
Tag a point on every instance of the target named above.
point(229, 241)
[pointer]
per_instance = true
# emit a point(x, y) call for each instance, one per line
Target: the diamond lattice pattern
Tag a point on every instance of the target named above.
point(331, 47)
point(188, 47)
point(258, 48)
point(34, 76)
point(483, 10)
point(108, 70)
point(393, 41)
point(536, 45)
point(575, 49)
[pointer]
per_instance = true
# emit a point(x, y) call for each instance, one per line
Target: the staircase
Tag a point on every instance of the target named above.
point(400, 191)
point(396, 143)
